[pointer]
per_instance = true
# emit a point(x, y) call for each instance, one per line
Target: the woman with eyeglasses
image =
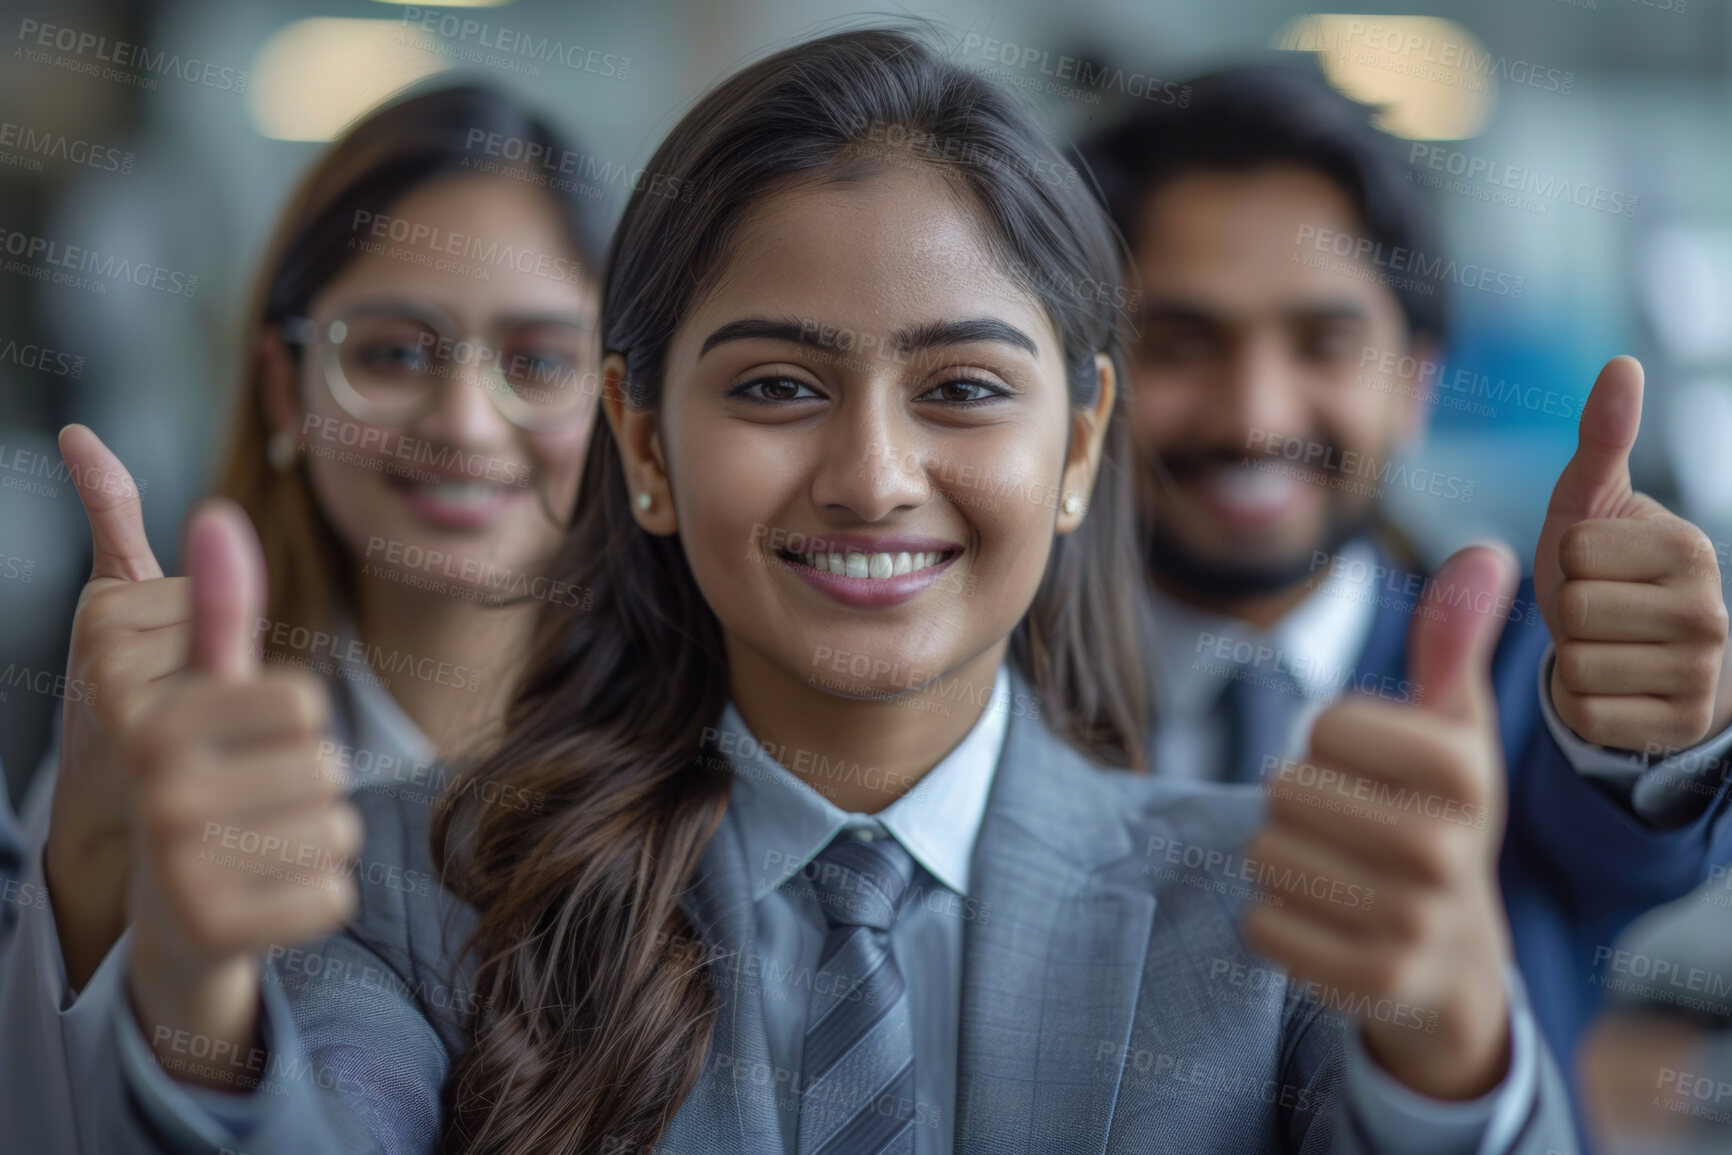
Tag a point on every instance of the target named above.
point(419, 389)
point(834, 859)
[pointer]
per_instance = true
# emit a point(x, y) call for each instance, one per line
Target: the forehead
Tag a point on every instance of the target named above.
point(473, 244)
point(1231, 242)
point(892, 250)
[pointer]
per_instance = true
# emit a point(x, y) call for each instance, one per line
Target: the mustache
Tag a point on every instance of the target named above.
point(1187, 463)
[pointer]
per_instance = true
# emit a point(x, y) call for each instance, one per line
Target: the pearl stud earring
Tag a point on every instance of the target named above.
point(644, 501)
point(1072, 503)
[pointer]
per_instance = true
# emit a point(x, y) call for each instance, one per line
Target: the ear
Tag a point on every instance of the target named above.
point(1087, 437)
point(637, 432)
point(282, 396)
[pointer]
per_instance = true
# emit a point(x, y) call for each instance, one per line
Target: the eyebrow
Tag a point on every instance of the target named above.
point(409, 306)
point(830, 339)
point(1170, 311)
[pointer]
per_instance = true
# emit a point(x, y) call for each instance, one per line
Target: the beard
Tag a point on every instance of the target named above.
point(1214, 580)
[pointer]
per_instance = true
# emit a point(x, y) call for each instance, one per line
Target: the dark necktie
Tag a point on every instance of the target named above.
point(857, 1067)
point(1258, 708)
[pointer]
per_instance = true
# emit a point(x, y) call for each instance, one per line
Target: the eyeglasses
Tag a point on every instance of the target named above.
point(389, 364)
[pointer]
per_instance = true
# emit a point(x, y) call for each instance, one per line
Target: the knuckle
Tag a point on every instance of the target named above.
point(303, 701)
point(1691, 547)
point(1573, 663)
point(1575, 608)
point(1579, 548)
point(1699, 616)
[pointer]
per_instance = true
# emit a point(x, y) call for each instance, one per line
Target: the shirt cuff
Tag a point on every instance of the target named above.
point(1396, 1118)
point(1685, 780)
point(182, 1111)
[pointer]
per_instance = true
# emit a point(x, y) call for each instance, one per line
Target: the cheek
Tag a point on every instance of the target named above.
point(556, 460)
point(1160, 410)
point(727, 491)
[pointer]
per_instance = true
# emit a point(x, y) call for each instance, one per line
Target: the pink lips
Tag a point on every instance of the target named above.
point(869, 593)
point(458, 516)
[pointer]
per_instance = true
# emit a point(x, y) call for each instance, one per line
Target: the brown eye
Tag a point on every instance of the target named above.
point(961, 391)
point(774, 389)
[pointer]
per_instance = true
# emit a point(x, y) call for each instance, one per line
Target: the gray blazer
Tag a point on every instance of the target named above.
point(1099, 1008)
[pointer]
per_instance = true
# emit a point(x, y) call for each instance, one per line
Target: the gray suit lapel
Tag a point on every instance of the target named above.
point(1053, 965)
point(732, 1110)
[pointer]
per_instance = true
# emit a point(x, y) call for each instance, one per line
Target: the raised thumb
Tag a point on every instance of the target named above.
point(227, 567)
point(1460, 616)
point(119, 547)
point(1597, 478)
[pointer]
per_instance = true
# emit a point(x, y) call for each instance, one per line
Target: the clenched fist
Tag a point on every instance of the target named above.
point(1419, 825)
point(131, 631)
point(1630, 592)
point(242, 837)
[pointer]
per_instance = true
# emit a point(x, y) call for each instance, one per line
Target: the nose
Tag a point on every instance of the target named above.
point(873, 458)
point(1259, 394)
point(466, 415)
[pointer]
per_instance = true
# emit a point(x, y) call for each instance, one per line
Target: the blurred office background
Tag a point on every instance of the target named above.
point(185, 169)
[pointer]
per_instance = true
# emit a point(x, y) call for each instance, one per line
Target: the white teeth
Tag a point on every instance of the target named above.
point(463, 492)
point(872, 565)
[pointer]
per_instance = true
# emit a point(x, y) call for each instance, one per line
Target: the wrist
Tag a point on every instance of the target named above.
point(1465, 1057)
point(200, 1019)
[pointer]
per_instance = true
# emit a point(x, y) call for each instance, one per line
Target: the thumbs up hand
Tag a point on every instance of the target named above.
point(242, 839)
point(1378, 859)
point(1630, 592)
point(130, 632)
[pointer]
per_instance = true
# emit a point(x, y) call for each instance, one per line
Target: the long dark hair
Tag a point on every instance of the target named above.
point(382, 158)
point(597, 1011)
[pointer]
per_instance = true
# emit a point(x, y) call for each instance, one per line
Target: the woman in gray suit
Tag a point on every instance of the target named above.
point(837, 850)
point(419, 385)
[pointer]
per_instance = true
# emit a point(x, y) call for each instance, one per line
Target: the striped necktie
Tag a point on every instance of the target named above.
point(1260, 709)
point(857, 1066)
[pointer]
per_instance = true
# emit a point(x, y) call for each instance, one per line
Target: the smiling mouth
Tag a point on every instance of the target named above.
point(854, 564)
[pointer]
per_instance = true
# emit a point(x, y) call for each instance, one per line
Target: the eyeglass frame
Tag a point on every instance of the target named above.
point(307, 333)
